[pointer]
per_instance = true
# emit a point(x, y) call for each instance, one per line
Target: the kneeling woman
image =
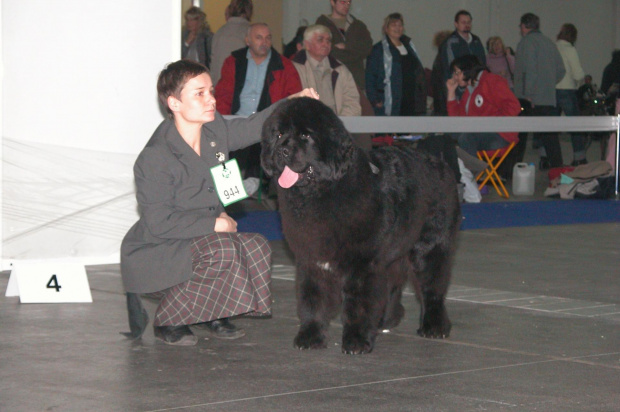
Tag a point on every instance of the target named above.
point(486, 94)
point(185, 249)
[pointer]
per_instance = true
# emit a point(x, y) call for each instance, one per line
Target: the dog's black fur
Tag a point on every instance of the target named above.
point(360, 225)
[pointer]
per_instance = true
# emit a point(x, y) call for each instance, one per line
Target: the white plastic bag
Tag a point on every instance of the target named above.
point(472, 194)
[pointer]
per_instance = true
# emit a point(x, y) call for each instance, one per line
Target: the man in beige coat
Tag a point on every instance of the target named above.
point(328, 76)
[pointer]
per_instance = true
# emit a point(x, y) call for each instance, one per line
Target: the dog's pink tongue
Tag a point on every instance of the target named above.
point(288, 178)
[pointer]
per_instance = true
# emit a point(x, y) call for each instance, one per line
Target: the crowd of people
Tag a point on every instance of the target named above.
point(185, 250)
point(354, 77)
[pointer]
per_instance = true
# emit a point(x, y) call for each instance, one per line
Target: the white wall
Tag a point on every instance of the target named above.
point(596, 20)
point(1, 128)
point(83, 73)
point(79, 102)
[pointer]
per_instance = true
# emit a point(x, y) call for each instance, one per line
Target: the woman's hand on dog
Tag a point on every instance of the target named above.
point(308, 92)
point(225, 223)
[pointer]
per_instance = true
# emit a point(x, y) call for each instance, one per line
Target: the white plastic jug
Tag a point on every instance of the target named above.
point(523, 177)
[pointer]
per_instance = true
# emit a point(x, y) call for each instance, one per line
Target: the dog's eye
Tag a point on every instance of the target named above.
point(305, 137)
point(279, 135)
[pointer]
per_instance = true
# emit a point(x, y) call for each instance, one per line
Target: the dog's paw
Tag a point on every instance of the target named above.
point(310, 337)
point(440, 329)
point(356, 345)
point(433, 333)
point(435, 323)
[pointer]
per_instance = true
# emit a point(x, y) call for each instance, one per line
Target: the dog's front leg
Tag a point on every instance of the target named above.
point(364, 304)
point(318, 301)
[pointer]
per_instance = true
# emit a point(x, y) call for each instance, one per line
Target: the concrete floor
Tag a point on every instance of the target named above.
point(536, 327)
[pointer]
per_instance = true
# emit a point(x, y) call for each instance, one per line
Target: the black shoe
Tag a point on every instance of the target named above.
point(221, 329)
point(544, 163)
point(176, 335)
point(579, 162)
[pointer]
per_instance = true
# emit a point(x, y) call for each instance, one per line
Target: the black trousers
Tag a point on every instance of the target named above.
point(443, 147)
point(550, 141)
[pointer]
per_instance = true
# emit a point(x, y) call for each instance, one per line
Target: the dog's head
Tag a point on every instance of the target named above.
point(303, 141)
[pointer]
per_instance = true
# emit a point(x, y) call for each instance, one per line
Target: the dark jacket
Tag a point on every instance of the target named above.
point(455, 46)
point(281, 81)
point(438, 86)
point(376, 81)
point(611, 73)
point(358, 45)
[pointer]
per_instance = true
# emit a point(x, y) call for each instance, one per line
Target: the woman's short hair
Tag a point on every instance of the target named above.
point(316, 28)
point(568, 32)
point(469, 65)
point(241, 8)
point(392, 17)
point(196, 13)
point(491, 43)
point(172, 79)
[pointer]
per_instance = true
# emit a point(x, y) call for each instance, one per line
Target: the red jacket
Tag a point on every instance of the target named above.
point(281, 78)
point(491, 97)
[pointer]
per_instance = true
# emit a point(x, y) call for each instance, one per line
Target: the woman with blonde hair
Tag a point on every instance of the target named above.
point(197, 36)
point(395, 79)
point(499, 61)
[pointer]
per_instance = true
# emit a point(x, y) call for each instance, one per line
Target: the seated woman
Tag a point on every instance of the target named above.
point(185, 250)
point(486, 94)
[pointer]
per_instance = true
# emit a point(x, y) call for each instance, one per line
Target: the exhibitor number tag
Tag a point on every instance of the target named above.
point(228, 182)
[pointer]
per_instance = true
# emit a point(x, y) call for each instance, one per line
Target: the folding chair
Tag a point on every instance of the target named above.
point(494, 158)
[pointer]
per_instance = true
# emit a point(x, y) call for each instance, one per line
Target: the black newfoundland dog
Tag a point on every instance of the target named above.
point(359, 225)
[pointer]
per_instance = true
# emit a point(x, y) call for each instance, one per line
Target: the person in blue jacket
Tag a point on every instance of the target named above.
point(395, 80)
point(460, 43)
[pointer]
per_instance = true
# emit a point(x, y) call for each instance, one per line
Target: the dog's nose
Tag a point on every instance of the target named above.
point(284, 151)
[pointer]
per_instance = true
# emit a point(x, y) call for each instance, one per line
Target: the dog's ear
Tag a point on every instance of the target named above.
point(343, 155)
point(337, 147)
point(268, 140)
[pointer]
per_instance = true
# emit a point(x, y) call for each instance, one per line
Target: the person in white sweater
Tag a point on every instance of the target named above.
point(566, 89)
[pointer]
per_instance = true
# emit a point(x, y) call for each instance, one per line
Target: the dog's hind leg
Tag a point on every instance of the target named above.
point(431, 284)
point(318, 301)
point(396, 275)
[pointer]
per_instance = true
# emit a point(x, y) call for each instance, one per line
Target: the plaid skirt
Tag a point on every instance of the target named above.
point(231, 276)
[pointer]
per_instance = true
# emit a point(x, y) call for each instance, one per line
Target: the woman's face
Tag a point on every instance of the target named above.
point(192, 24)
point(458, 75)
point(196, 104)
point(395, 29)
point(498, 47)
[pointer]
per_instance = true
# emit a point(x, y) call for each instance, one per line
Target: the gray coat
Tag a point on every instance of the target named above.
point(177, 200)
point(538, 68)
point(230, 37)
